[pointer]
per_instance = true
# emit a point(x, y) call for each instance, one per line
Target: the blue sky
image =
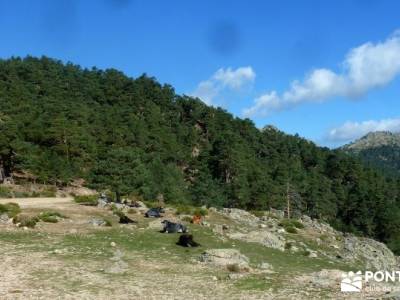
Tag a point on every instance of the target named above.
point(343, 54)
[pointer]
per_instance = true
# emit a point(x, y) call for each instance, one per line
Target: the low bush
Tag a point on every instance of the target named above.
point(107, 222)
point(132, 211)
point(290, 223)
point(184, 210)
point(22, 194)
point(48, 194)
point(90, 200)
point(25, 221)
point(233, 268)
point(35, 194)
point(297, 224)
point(187, 219)
point(50, 216)
point(288, 246)
point(190, 210)
point(5, 192)
point(200, 212)
point(11, 209)
point(118, 212)
point(291, 229)
point(258, 213)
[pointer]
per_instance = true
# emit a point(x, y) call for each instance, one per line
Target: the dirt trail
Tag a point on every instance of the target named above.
point(38, 202)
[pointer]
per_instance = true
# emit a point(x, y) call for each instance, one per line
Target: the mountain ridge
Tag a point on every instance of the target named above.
point(380, 149)
point(373, 140)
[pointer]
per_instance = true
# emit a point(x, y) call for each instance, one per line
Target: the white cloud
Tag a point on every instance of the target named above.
point(223, 79)
point(353, 130)
point(366, 67)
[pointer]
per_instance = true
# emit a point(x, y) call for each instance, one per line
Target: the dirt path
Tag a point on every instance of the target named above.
point(38, 202)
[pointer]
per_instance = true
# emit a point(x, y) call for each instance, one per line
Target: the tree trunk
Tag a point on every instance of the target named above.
point(117, 197)
point(288, 200)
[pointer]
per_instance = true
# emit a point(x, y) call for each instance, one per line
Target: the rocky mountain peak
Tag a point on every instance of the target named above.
point(374, 140)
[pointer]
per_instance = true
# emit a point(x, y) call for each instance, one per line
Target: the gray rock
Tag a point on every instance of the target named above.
point(277, 213)
point(140, 204)
point(120, 206)
point(312, 254)
point(234, 276)
point(97, 222)
point(375, 255)
point(102, 203)
point(4, 218)
point(118, 267)
point(241, 216)
point(213, 209)
point(225, 258)
point(266, 238)
point(265, 266)
point(323, 279)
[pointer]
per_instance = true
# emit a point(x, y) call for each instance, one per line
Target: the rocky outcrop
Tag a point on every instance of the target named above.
point(225, 258)
point(322, 279)
point(241, 216)
point(266, 238)
point(375, 255)
point(333, 244)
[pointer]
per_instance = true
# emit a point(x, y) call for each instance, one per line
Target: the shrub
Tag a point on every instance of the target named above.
point(21, 195)
point(118, 212)
point(291, 229)
point(289, 223)
point(297, 224)
point(233, 268)
point(187, 219)
point(35, 194)
point(258, 213)
point(25, 221)
point(272, 215)
point(49, 194)
point(5, 192)
point(30, 223)
point(324, 237)
point(200, 212)
point(190, 210)
point(11, 209)
point(90, 200)
point(110, 196)
point(107, 222)
point(132, 211)
point(288, 246)
point(183, 210)
point(151, 204)
point(50, 216)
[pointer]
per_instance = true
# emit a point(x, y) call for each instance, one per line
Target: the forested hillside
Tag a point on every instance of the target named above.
point(380, 150)
point(59, 122)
